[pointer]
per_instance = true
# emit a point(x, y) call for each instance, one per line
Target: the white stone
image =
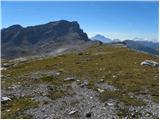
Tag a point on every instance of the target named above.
point(57, 73)
point(69, 79)
point(91, 97)
point(114, 76)
point(72, 112)
point(110, 104)
point(100, 90)
point(2, 68)
point(3, 99)
point(8, 110)
point(150, 63)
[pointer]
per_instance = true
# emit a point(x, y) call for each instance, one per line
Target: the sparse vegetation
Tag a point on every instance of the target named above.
point(16, 108)
point(119, 67)
point(56, 94)
point(122, 113)
point(118, 95)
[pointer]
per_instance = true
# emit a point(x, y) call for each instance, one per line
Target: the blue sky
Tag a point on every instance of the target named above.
point(123, 20)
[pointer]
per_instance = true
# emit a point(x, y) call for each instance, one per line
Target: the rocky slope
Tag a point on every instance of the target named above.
point(51, 38)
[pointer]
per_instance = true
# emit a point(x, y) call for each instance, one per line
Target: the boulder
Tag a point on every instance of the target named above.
point(149, 63)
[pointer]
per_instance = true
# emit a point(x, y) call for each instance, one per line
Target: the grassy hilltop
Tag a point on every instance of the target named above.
point(113, 65)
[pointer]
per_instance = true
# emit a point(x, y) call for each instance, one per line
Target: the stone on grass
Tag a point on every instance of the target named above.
point(101, 80)
point(6, 65)
point(5, 99)
point(149, 63)
point(8, 110)
point(57, 73)
point(2, 68)
point(100, 90)
point(114, 76)
point(69, 79)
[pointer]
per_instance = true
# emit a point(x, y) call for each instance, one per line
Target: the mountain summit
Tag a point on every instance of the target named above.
point(101, 38)
point(19, 41)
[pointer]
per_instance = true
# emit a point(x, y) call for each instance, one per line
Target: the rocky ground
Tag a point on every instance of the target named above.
point(70, 86)
point(79, 102)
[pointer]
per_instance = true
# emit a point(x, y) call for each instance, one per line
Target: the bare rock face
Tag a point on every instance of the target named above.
point(19, 41)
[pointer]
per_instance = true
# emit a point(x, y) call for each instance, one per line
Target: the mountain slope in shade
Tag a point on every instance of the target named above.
point(145, 46)
point(101, 38)
point(34, 40)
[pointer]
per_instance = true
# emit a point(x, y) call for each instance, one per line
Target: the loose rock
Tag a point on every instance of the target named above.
point(69, 79)
point(57, 73)
point(109, 104)
point(149, 63)
point(85, 83)
point(100, 90)
point(72, 112)
point(101, 80)
point(5, 99)
point(88, 115)
point(114, 76)
point(6, 65)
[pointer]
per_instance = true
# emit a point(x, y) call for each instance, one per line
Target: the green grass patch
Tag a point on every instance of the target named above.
point(15, 109)
point(106, 95)
point(56, 94)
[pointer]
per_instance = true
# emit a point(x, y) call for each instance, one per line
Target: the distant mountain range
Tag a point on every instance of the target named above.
point(53, 37)
point(144, 46)
point(138, 44)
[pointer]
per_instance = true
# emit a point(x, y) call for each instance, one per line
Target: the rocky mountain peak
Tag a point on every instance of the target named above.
point(51, 35)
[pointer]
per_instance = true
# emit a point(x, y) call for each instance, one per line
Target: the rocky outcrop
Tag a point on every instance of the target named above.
point(19, 41)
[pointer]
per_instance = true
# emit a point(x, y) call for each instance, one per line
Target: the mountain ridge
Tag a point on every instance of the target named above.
point(19, 41)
